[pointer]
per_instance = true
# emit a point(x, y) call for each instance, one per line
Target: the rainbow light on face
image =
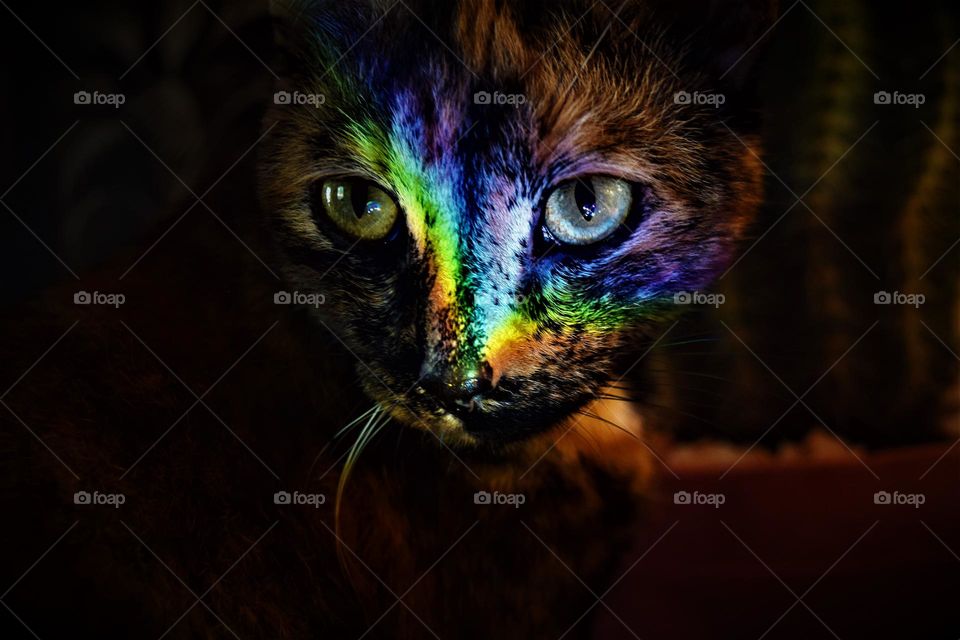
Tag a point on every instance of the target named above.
point(470, 241)
point(435, 209)
point(427, 195)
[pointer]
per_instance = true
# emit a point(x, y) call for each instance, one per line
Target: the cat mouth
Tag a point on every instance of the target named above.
point(449, 428)
point(463, 424)
point(491, 421)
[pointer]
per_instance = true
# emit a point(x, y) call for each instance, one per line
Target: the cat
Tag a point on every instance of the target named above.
point(485, 304)
point(408, 165)
point(486, 212)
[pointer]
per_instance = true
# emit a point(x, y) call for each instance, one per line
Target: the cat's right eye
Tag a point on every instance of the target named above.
point(588, 210)
point(359, 208)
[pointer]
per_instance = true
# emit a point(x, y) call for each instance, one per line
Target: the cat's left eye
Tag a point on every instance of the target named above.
point(360, 208)
point(587, 210)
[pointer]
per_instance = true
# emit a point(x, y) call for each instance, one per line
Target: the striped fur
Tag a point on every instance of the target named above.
point(465, 289)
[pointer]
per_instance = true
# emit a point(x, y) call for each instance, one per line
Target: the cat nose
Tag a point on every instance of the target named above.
point(458, 394)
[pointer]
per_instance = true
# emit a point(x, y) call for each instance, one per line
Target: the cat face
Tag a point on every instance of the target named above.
point(500, 200)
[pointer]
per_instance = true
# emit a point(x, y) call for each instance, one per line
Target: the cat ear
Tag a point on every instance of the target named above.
point(724, 36)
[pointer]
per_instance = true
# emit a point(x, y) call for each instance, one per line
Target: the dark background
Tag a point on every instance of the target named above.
point(195, 95)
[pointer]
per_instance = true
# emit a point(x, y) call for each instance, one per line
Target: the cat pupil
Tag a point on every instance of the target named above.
point(586, 201)
point(360, 198)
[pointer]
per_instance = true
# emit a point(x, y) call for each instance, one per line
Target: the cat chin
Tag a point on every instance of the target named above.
point(449, 430)
point(452, 432)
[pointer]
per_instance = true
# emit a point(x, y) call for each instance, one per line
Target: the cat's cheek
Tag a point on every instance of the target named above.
point(516, 359)
point(531, 358)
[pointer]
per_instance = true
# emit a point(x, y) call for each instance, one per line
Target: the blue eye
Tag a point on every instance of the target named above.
point(587, 210)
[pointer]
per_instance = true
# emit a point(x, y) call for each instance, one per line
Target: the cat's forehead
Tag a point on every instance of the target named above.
point(547, 90)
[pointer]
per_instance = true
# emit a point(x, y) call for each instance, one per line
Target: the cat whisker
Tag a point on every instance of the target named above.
point(667, 345)
point(594, 416)
point(357, 420)
point(706, 396)
point(378, 419)
point(340, 433)
point(647, 404)
point(611, 396)
point(655, 384)
point(587, 437)
point(694, 374)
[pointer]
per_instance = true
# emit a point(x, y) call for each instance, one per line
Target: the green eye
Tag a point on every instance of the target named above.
point(587, 210)
point(360, 208)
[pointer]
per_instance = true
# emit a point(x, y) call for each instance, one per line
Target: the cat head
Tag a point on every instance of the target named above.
point(500, 200)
